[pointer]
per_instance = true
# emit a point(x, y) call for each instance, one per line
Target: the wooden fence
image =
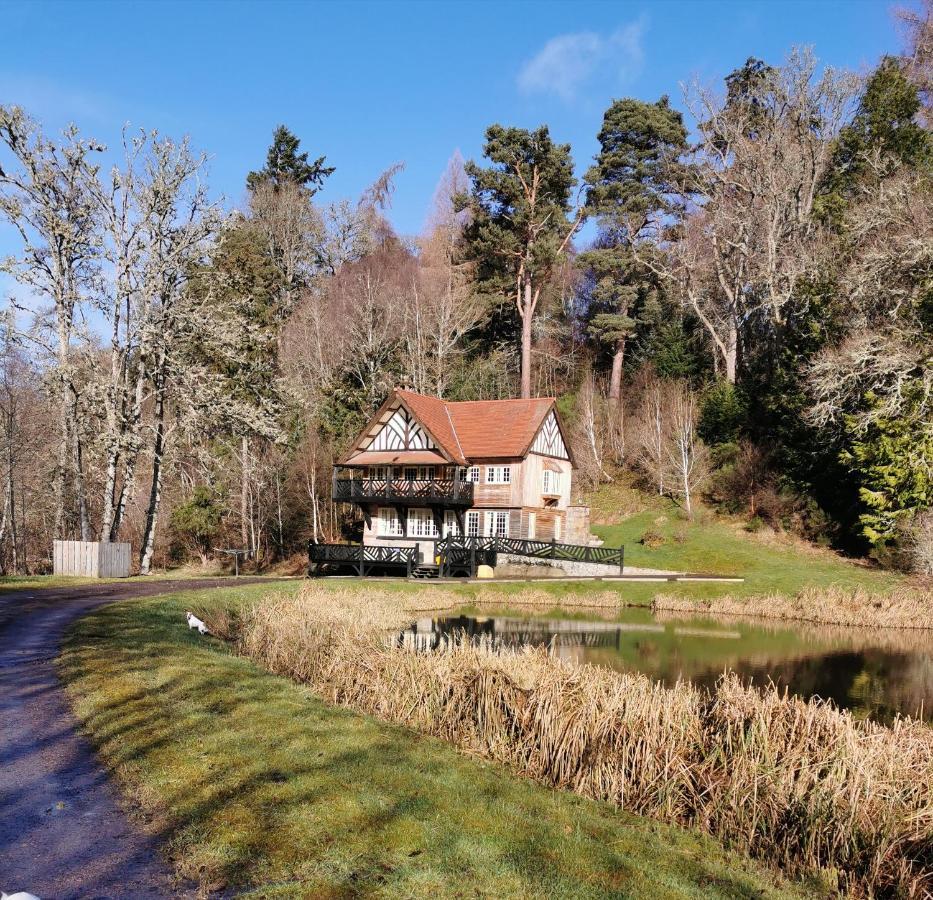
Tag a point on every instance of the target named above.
point(92, 559)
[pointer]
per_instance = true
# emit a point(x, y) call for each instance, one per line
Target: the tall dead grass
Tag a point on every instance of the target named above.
point(797, 783)
point(907, 606)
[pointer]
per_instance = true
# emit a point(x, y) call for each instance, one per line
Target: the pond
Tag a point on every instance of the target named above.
point(875, 673)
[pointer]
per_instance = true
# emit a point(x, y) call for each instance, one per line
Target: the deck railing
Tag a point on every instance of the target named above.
point(458, 553)
point(401, 490)
point(361, 557)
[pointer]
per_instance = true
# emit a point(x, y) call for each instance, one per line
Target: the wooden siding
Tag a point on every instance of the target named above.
point(544, 524)
point(531, 488)
point(91, 559)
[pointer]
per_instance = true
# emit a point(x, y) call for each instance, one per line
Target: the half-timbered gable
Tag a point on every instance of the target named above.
point(402, 432)
point(550, 441)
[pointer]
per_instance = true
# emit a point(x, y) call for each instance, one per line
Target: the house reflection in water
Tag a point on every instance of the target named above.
point(878, 674)
point(567, 639)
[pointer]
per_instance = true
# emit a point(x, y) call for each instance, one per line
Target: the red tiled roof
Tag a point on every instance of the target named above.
point(432, 413)
point(480, 429)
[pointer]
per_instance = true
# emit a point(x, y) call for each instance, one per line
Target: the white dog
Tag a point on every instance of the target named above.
point(195, 622)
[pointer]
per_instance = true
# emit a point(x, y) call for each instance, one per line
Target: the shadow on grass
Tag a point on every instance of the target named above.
point(251, 781)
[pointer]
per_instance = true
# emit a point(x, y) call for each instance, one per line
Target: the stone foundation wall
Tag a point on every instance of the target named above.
point(523, 567)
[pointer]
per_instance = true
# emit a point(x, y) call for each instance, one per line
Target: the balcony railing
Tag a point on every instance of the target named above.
point(428, 492)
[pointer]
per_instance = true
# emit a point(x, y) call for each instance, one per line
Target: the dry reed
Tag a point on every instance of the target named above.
point(796, 783)
point(906, 606)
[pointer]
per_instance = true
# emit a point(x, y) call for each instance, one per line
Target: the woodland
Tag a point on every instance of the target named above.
point(733, 305)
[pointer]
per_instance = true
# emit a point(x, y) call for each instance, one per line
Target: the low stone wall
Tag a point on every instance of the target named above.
point(522, 566)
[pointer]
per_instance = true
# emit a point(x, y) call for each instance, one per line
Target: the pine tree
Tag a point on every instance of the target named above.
point(633, 181)
point(285, 164)
point(883, 134)
point(519, 229)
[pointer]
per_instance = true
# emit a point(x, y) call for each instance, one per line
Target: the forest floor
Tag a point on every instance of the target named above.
point(259, 784)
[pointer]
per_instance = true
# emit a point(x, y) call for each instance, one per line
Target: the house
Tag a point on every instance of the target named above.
point(425, 469)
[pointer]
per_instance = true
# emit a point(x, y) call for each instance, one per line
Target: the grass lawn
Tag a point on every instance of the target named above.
point(769, 562)
point(254, 782)
point(24, 582)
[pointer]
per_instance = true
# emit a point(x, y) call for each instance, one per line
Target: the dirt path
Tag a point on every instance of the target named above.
point(63, 833)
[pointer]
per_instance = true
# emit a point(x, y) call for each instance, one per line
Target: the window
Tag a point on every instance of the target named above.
point(551, 482)
point(472, 524)
point(532, 525)
point(472, 474)
point(421, 524)
point(498, 474)
point(390, 525)
point(410, 473)
point(451, 525)
point(377, 473)
point(497, 524)
point(426, 473)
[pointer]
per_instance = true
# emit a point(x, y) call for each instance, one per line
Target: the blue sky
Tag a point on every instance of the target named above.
point(369, 84)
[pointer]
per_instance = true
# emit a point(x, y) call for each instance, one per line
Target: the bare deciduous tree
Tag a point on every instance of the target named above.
point(885, 353)
point(750, 236)
point(687, 457)
point(45, 195)
point(920, 542)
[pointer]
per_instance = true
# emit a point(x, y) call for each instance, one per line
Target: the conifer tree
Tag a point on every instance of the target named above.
point(284, 164)
point(519, 227)
point(633, 181)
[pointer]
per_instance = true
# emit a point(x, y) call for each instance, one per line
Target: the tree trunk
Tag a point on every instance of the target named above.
point(731, 354)
point(615, 376)
point(155, 492)
point(86, 532)
point(11, 499)
point(61, 480)
point(244, 492)
point(3, 521)
point(527, 315)
point(110, 490)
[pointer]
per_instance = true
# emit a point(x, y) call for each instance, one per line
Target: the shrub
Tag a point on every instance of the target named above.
point(653, 539)
point(197, 520)
point(723, 414)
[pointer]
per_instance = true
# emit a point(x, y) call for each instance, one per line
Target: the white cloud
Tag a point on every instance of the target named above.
point(566, 63)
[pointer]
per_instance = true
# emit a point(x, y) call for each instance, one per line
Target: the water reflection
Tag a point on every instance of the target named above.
point(874, 673)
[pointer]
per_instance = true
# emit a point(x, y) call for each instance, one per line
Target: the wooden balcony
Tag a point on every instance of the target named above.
point(402, 491)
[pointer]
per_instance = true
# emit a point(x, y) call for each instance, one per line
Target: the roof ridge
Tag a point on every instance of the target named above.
point(454, 430)
point(502, 400)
